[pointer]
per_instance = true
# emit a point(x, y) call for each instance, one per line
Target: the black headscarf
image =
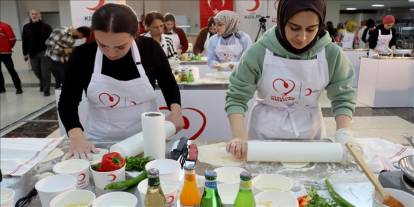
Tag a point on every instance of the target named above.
point(287, 9)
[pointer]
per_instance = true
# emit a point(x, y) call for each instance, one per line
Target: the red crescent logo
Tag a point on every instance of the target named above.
point(187, 122)
point(286, 85)
point(256, 6)
point(170, 199)
point(81, 177)
point(100, 3)
point(112, 177)
point(308, 92)
point(112, 101)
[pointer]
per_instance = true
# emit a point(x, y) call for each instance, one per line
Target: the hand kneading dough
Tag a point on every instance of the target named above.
point(216, 154)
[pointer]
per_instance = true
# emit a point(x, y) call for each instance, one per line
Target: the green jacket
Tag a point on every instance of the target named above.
point(243, 80)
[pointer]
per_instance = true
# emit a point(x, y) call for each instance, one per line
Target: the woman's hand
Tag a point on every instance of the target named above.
point(80, 147)
point(238, 147)
point(176, 117)
point(218, 66)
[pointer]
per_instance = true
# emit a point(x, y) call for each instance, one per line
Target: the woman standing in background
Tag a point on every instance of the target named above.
point(201, 43)
point(175, 33)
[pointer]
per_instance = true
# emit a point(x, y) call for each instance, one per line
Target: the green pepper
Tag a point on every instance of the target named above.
point(126, 184)
point(336, 197)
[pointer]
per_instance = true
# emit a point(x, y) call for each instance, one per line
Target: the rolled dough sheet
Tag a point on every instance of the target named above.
point(294, 152)
point(216, 155)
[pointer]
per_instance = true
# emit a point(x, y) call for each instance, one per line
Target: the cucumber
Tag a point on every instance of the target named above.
point(126, 184)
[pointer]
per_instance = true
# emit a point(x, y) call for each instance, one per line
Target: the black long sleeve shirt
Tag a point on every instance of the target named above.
point(34, 36)
point(80, 69)
point(373, 38)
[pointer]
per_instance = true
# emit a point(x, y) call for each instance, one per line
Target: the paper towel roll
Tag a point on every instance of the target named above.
point(268, 151)
point(134, 145)
point(153, 133)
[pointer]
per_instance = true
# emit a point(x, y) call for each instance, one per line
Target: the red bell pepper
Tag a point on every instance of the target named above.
point(111, 161)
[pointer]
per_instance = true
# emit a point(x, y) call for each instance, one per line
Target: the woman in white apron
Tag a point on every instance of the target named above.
point(383, 39)
point(227, 46)
point(348, 40)
point(154, 21)
point(201, 43)
point(175, 33)
point(288, 69)
point(118, 88)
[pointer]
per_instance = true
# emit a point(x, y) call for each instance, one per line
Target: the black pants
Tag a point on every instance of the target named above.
point(8, 62)
point(37, 62)
point(58, 71)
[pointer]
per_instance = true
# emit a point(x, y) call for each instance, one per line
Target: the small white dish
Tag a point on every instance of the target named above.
point(285, 199)
point(51, 186)
point(168, 168)
point(116, 199)
point(73, 198)
point(405, 198)
point(272, 182)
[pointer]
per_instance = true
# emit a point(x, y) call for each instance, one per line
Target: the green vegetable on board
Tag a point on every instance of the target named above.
point(317, 200)
point(136, 163)
point(341, 202)
point(126, 184)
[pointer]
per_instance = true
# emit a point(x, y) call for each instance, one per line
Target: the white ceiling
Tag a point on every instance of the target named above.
point(366, 4)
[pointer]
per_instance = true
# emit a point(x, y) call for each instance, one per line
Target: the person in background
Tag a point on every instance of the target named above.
point(141, 26)
point(349, 36)
point(331, 30)
point(201, 43)
point(175, 33)
point(154, 22)
point(34, 36)
point(7, 41)
point(117, 73)
point(361, 30)
point(228, 45)
point(340, 32)
point(383, 38)
point(367, 32)
point(58, 48)
point(288, 70)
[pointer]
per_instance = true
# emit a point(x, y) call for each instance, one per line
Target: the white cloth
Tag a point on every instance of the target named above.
point(381, 154)
point(229, 53)
point(383, 43)
point(114, 106)
point(287, 104)
point(348, 40)
point(19, 155)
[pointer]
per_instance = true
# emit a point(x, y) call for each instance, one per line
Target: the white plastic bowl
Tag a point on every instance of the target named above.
point(405, 198)
point(169, 169)
point(101, 179)
point(7, 197)
point(85, 197)
point(272, 182)
point(112, 199)
point(285, 199)
point(51, 186)
point(228, 175)
point(76, 167)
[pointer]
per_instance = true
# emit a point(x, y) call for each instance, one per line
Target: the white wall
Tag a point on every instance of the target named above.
point(8, 14)
point(65, 13)
point(24, 8)
point(332, 11)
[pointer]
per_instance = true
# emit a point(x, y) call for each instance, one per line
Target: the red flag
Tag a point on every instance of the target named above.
point(210, 8)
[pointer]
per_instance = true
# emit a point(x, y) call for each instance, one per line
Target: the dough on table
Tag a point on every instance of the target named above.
point(216, 154)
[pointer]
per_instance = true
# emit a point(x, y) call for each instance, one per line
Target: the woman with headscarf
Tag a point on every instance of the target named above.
point(201, 43)
point(228, 45)
point(383, 38)
point(288, 69)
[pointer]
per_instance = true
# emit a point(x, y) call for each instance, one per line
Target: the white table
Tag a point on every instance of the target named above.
point(354, 56)
point(386, 82)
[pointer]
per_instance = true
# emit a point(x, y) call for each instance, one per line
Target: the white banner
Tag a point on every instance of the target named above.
point(251, 11)
point(82, 10)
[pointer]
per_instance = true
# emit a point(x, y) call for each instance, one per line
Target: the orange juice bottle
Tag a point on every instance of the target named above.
point(190, 195)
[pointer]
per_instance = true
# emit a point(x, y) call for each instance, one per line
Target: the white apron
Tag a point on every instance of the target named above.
point(383, 44)
point(287, 104)
point(205, 51)
point(114, 106)
point(175, 39)
point(348, 40)
point(229, 53)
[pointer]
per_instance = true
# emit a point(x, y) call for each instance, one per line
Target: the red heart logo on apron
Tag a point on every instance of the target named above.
point(283, 87)
point(112, 100)
point(187, 122)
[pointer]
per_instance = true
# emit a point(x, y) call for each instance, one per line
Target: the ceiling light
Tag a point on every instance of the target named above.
point(377, 5)
point(410, 0)
point(351, 9)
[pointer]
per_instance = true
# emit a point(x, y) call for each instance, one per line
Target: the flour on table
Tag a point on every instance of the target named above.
point(216, 154)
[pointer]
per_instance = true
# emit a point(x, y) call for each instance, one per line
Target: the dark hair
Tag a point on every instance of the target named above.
point(86, 31)
point(169, 17)
point(151, 16)
point(370, 23)
point(210, 22)
point(116, 18)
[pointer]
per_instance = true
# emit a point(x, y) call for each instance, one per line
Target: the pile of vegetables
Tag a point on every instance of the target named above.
point(136, 163)
point(313, 199)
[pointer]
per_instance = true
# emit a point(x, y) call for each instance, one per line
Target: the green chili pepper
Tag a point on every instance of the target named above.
point(336, 197)
point(123, 185)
